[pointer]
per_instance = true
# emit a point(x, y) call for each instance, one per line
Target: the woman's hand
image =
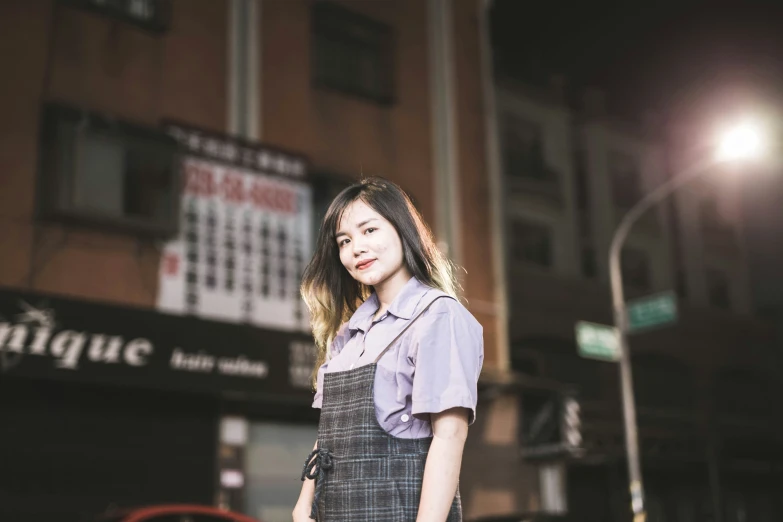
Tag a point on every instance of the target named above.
point(303, 506)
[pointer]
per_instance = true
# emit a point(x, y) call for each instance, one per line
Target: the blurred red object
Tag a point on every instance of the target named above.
point(167, 512)
point(171, 264)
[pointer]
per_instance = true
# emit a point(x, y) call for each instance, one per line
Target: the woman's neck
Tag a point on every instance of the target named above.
point(389, 289)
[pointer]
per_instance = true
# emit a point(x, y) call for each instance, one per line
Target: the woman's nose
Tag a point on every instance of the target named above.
point(359, 247)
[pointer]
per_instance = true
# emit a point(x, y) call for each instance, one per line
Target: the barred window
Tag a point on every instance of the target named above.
point(531, 243)
point(523, 149)
point(352, 53)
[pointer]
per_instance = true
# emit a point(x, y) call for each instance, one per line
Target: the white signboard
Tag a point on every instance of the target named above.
point(245, 238)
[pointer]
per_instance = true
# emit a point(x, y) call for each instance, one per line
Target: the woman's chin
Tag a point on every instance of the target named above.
point(369, 279)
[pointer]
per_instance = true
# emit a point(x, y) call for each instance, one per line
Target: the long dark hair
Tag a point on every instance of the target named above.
point(330, 292)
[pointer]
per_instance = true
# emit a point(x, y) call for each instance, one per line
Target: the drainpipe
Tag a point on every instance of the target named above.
point(444, 128)
point(497, 200)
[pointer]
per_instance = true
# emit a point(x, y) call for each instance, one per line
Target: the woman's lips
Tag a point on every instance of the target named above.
point(365, 264)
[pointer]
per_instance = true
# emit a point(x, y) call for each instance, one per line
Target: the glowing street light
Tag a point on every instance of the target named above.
point(743, 142)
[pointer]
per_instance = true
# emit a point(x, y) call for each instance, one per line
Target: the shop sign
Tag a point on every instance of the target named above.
point(64, 339)
point(245, 234)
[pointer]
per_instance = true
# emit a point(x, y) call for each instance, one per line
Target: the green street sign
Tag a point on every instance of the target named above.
point(648, 312)
point(598, 341)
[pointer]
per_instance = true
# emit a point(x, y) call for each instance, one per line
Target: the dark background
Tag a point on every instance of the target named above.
point(659, 56)
point(688, 64)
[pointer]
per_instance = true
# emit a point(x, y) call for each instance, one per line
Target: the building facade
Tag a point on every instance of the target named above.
point(165, 165)
point(707, 443)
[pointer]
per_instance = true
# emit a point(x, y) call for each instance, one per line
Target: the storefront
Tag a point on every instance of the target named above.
point(106, 406)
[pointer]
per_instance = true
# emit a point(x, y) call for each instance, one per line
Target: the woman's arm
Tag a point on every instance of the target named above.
point(441, 473)
point(304, 504)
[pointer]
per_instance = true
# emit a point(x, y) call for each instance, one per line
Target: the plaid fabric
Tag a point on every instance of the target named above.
point(374, 476)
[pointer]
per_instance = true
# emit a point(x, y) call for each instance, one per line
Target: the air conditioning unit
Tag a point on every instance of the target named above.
point(98, 171)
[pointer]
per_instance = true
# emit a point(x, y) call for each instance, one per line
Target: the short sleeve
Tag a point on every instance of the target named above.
point(337, 345)
point(448, 356)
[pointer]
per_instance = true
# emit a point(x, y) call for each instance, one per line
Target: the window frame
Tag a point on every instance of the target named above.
point(530, 173)
point(514, 245)
point(336, 23)
point(160, 22)
point(620, 198)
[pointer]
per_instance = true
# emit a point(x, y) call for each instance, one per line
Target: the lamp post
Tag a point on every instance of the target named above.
point(740, 142)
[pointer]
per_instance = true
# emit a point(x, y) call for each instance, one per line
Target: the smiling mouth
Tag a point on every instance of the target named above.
point(365, 264)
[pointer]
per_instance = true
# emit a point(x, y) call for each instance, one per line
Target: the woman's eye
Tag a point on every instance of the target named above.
point(370, 230)
point(342, 242)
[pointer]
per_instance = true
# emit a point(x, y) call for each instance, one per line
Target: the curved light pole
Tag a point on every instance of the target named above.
point(739, 143)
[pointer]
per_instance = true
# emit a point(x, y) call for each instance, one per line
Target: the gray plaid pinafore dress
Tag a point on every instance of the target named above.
point(362, 473)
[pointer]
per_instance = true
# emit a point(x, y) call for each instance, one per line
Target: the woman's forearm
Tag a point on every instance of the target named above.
point(441, 473)
point(305, 501)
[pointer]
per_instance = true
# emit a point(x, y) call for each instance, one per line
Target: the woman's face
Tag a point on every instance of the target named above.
point(370, 247)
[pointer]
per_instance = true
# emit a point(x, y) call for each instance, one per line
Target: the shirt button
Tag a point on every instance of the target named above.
point(405, 418)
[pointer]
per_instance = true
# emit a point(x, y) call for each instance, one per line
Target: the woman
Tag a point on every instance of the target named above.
point(397, 389)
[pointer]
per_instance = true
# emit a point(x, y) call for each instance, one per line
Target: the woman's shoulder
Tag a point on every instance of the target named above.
point(437, 302)
point(446, 329)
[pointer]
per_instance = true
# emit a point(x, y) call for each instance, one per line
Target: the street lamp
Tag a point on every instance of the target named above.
point(741, 142)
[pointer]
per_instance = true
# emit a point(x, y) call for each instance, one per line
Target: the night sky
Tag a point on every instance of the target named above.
point(673, 58)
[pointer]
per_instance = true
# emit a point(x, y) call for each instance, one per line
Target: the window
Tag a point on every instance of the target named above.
point(352, 53)
point(523, 149)
point(625, 179)
point(718, 289)
point(152, 15)
point(635, 266)
point(584, 225)
point(681, 283)
point(531, 243)
point(582, 185)
point(714, 224)
point(100, 171)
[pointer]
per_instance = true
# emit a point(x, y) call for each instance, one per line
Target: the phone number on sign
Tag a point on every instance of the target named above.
point(235, 187)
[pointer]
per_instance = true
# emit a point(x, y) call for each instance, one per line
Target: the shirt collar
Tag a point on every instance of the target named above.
point(408, 299)
point(403, 306)
point(362, 317)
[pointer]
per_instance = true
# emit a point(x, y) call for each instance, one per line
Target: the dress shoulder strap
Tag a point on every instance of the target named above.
point(410, 323)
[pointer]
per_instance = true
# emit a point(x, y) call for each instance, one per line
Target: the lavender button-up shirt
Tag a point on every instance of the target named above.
point(433, 367)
